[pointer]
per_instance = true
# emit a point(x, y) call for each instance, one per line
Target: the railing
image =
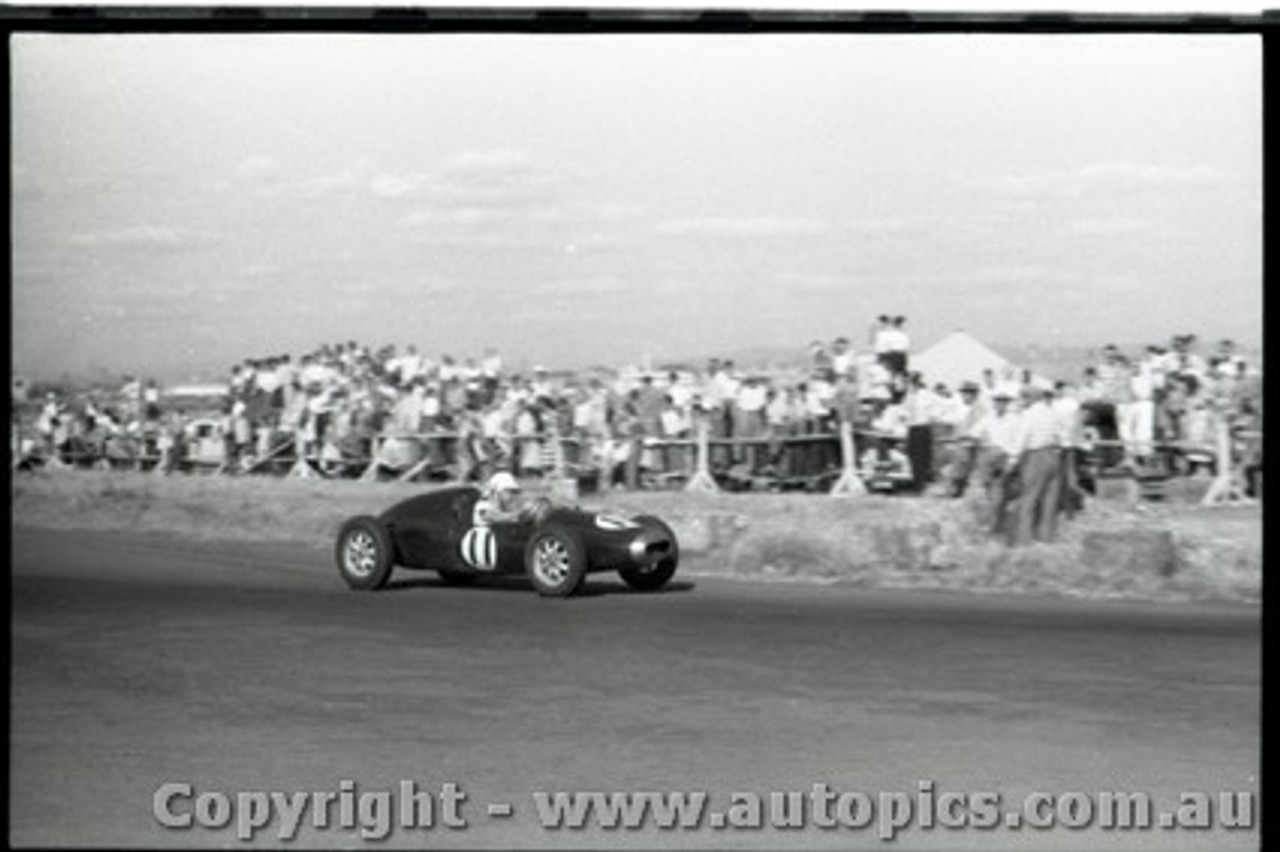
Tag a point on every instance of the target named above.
point(822, 462)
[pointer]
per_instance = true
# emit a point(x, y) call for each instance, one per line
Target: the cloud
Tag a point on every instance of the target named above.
point(258, 270)
point(463, 217)
point(1106, 227)
point(257, 167)
point(758, 227)
point(994, 282)
point(1104, 177)
point(886, 224)
point(501, 178)
point(597, 285)
point(144, 237)
point(353, 178)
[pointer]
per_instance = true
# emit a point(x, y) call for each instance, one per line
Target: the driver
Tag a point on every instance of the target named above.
point(499, 501)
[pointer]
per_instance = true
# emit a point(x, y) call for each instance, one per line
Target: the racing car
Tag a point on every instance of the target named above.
point(556, 546)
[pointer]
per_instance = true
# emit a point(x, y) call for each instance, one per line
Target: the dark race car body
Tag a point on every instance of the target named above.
point(556, 546)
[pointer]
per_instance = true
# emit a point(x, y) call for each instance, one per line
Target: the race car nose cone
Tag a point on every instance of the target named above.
point(645, 549)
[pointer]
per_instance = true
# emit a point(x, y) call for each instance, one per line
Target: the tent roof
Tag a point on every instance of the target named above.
point(957, 358)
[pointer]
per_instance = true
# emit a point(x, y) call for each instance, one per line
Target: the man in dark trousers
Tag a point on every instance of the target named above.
point(1040, 441)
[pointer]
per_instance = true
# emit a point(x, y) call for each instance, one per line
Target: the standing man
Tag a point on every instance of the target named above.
point(896, 344)
point(967, 414)
point(842, 357)
point(1140, 414)
point(1066, 403)
point(1039, 457)
point(997, 435)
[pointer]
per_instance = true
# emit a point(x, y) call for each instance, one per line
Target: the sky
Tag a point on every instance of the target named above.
point(183, 202)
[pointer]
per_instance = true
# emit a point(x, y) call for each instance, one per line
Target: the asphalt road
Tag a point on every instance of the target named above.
point(138, 662)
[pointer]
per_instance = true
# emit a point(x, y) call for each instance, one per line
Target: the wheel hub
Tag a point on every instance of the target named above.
point(551, 561)
point(361, 554)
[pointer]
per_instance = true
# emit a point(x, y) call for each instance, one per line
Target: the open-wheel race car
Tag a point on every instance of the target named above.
point(555, 546)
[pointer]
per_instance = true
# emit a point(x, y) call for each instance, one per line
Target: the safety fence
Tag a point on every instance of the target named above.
point(847, 462)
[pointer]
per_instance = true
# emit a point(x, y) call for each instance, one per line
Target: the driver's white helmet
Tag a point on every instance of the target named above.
point(502, 481)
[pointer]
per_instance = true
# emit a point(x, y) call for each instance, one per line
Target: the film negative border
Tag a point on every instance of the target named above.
point(89, 18)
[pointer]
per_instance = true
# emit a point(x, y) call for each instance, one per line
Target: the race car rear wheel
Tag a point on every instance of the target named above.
point(651, 577)
point(555, 562)
point(365, 553)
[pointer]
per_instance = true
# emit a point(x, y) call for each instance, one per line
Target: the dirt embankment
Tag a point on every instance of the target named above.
point(1170, 553)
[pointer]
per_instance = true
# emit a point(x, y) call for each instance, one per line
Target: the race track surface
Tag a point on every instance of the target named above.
point(137, 662)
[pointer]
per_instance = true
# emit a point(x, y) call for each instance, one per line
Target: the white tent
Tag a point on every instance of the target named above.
point(960, 357)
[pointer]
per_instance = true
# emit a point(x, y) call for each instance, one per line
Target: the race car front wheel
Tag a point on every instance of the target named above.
point(650, 578)
point(365, 553)
point(555, 562)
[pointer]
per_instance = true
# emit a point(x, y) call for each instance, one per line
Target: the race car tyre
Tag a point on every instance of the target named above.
point(456, 578)
point(650, 578)
point(365, 553)
point(555, 562)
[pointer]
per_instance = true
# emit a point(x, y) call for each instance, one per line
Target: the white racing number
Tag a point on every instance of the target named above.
point(480, 548)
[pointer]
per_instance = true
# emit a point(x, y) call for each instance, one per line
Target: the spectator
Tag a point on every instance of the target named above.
point(965, 417)
point(1229, 361)
point(1139, 413)
point(997, 433)
point(896, 344)
point(842, 357)
point(880, 344)
point(649, 404)
point(1067, 406)
point(1039, 454)
point(676, 426)
point(749, 419)
point(781, 411)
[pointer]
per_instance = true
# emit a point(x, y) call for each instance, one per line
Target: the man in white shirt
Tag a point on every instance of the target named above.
point(269, 378)
point(997, 434)
point(491, 363)
point(842, 357)
point(780, 411)
point(888, 432)
point(896, 344)
point(1229, 360)
point(1067, 405)
point(1183, 359)
point(676, 425)
point(1039, 442)
point(879, 342)
point(541, 386)
point(680, 387)
point(407, 414)
point(749, 419)
point(410, 364)
point(1140, 412)
point(963, 416)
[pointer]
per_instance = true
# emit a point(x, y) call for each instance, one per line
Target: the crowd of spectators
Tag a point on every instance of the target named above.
point(346, 405)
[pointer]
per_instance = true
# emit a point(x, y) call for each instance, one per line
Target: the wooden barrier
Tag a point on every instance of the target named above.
point(1228, 485)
